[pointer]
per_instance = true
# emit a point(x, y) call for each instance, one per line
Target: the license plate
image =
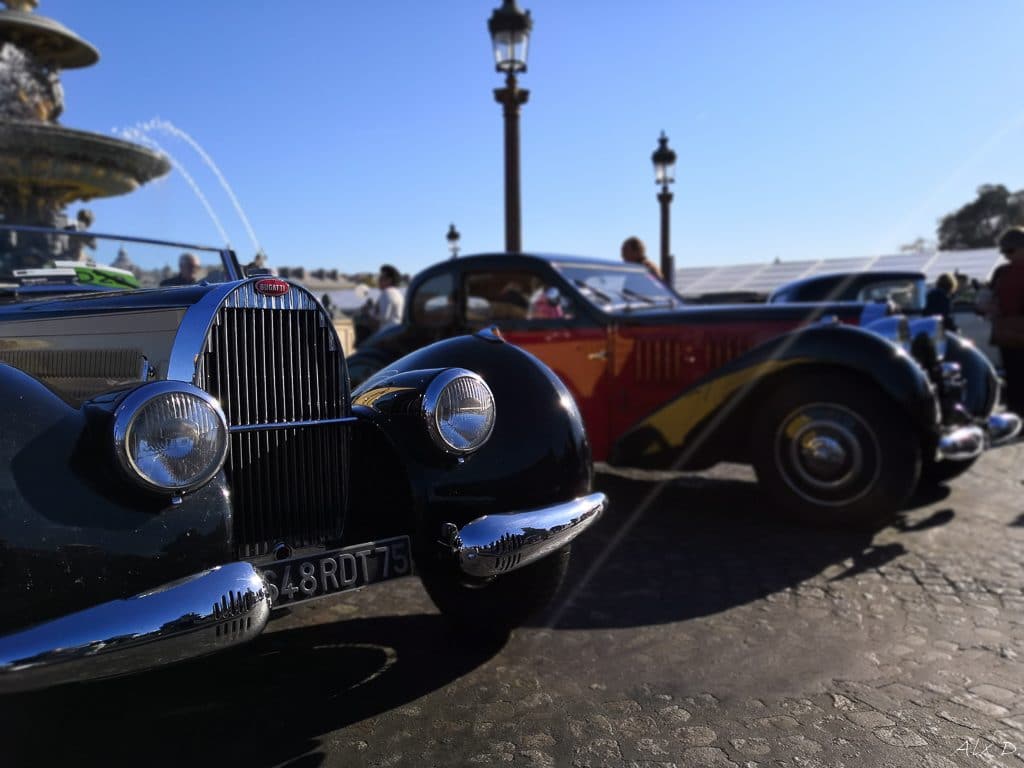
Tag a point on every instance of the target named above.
point(339, 570)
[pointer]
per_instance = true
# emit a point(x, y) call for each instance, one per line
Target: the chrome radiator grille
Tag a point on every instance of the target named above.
point(275, 366)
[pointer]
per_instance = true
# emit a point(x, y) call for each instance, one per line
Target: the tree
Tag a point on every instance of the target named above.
point(979, 222)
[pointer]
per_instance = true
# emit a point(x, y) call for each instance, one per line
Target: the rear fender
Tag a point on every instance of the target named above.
point(710, 420)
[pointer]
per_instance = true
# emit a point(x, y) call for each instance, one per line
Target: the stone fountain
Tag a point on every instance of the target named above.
point(44, 167)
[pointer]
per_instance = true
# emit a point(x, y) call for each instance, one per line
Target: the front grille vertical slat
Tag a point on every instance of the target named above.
point(271, 361)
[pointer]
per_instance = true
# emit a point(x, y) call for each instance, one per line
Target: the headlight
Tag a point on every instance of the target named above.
point(932, 328)
point(892, 327)
point(459, 410)
point(170, 436)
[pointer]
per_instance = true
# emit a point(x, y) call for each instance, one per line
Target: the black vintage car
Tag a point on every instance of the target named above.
point(842, 408)
point(178, 462)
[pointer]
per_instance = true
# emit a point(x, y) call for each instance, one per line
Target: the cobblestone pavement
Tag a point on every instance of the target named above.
point(708, 635)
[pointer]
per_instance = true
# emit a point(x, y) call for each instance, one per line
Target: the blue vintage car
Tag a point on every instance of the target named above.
point(177, 463)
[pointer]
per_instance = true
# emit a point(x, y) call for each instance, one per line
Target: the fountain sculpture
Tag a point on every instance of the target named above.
point(44, 167)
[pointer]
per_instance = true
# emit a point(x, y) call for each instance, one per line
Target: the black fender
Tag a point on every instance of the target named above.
point(709, 421)
point(73, 531)
point(538, 452)
point(981, 383)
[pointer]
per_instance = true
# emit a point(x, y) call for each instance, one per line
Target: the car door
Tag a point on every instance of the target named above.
point(536, 313)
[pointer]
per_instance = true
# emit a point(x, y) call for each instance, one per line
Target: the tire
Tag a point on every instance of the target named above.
point(363, 366)
point(938, 472)
point(833, 450)
point(492, 607)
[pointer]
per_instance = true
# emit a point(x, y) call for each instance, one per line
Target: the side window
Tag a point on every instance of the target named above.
point(902, 293)
point(433, 306)
point(512, 298)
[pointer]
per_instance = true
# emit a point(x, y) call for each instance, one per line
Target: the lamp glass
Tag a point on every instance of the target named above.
point(664, 173)
point(510, 50)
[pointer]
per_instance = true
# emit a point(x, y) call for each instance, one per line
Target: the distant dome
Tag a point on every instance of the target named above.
point(123, 260)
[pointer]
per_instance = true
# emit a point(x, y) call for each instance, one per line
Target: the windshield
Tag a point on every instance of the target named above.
point(907, 294)
point(35, 262)
point(612, 288)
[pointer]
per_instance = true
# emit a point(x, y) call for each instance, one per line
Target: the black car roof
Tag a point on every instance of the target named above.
point(855, 279)
point(509, 259)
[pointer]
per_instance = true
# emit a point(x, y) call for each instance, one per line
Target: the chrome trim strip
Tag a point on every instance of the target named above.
point(961, 444)
point(292, 424)
point(194, 616)
point(495, 544)
point(190, 340)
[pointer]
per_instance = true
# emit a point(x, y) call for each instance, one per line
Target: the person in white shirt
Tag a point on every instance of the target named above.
point(388, 310)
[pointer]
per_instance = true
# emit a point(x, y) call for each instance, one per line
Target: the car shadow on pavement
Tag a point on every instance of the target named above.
point(702, 547)
point(266, 703)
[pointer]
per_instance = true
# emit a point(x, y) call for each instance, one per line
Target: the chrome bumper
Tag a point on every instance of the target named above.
point(1003, 427)
point(495, 544)
point(968, 442)
point(961, 444)
point(190, 617)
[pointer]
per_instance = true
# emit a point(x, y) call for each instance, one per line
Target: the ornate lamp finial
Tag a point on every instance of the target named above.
point(21, 5)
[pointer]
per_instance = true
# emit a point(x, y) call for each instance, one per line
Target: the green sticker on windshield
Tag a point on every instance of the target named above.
point(99, 276)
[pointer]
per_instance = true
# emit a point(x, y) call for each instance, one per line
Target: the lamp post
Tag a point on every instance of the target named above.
point(453, 240)
point(510, 33)
point(664, 160)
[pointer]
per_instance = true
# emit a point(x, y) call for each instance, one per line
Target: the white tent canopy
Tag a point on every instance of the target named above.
point(764, 277)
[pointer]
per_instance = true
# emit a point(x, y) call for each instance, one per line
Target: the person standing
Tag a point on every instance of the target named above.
point(188, 271)
point(635, 252)
point(940, 300)
point(390, 303)
point(1008, 319)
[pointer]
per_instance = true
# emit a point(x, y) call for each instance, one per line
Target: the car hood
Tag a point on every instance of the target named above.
point(82, 345)
point(91, 302)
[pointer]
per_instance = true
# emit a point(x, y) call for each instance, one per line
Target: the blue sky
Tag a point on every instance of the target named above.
point(353, 133)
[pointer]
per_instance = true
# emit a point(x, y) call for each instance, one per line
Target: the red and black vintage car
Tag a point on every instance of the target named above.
point(840, 422)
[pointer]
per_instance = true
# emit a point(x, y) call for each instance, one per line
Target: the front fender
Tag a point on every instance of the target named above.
point(981, 384)
point(710, 420)
point(71, 535)
point(537, 454)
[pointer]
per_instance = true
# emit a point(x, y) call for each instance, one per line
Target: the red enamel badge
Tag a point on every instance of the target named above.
point(271, 286)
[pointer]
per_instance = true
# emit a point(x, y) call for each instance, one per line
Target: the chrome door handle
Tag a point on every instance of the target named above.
point(599, 355)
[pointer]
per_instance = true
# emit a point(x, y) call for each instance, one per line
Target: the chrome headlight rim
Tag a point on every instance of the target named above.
point(431, 401)
point(134, 404)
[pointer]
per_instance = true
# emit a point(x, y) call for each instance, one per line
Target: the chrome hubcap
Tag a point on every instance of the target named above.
point(827, 453)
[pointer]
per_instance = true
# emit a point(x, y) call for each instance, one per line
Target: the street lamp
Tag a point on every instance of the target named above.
point(510, 34)
point(664, 160)
point(453, 240)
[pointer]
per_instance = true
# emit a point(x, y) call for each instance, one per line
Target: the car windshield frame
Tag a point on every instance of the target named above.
point(48, 272)
point(604, 295)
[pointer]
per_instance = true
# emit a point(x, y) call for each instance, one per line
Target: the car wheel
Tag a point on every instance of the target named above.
point(833, 450)
point(362, 366)
point(938, 472)
point(490, 607)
